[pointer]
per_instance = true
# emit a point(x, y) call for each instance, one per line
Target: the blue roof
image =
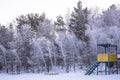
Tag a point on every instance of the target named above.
point(107, 45)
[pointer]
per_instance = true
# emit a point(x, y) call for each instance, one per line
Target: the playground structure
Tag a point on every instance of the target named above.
point(107, 54)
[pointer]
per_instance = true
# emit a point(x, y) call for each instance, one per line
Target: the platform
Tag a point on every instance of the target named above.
point(106, 58)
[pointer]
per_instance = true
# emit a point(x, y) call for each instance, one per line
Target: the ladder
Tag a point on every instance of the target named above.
point(92, 68)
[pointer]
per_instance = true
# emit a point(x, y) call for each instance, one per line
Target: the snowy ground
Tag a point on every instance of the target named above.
point(61, 76)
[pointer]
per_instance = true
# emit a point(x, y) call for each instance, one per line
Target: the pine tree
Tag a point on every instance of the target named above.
point(78, 24)
point(78, 21)
point(59, 23)
point(32, 20)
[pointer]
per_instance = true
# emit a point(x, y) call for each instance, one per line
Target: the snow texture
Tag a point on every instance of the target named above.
point(62, 76)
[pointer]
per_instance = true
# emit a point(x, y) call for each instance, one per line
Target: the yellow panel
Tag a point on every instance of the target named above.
point(104, 58)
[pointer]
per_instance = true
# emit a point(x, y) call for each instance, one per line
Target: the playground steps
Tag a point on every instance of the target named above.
point(92, 68)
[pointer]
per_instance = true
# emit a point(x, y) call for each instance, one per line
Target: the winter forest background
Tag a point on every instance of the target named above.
point(34, 43)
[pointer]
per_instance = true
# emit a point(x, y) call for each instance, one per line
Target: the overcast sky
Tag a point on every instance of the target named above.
point(10, 9)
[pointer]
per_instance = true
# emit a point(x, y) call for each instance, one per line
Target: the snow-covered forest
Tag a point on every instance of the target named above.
point(34, 43)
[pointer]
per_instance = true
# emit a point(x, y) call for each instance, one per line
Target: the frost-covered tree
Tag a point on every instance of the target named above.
point(2, 57)
point(22, 42)
point(111, 16)
point(78, 24)
point(31, 19)
point(45, 29)
point(78, 21)
point(104, 28)
point(59, 23)
point(5, 36)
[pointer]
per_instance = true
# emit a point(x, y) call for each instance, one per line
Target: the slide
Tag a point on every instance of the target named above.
point(92, 68)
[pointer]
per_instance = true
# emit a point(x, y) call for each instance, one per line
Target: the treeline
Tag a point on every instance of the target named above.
point(33, 43)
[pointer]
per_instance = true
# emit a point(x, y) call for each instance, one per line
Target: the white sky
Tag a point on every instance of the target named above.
point(10, 9)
